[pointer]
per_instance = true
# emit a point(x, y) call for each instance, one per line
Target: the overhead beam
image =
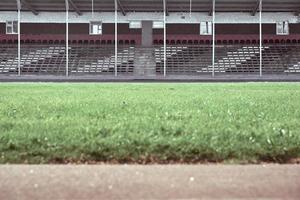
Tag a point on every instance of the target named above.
point(121, 7)
point(28, 6)
point(73, 5)
point(254, 11)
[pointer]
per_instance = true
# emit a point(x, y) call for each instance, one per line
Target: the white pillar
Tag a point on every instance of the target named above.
point(116, 38)
point(213, 37)
point(67, 37)
point(165, 39)
point(260, 38)
point(19, 37)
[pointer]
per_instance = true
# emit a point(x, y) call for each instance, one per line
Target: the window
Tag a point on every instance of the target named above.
point(135, 24)
point(12, 27)
point(205, 28)
point(158, 25)
point(95, 28)
point(282, 28)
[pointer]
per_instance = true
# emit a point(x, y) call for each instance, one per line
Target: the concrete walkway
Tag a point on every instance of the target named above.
point(158, 78)
point(29, 182)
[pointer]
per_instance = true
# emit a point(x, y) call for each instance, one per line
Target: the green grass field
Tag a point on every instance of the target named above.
point(149, 123)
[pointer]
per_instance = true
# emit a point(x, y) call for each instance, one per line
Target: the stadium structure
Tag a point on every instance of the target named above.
point(155, 39)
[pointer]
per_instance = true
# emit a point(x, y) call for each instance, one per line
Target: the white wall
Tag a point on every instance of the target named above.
point(106, 17)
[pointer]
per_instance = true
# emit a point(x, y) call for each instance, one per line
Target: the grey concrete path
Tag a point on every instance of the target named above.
point(149, 182)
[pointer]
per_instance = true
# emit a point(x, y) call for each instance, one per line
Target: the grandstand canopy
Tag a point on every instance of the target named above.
point(80, 6)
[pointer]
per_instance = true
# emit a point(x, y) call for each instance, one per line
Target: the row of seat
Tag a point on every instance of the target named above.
point(233, 59)
point(97, 59)
point(45, 59)
point(180, 59)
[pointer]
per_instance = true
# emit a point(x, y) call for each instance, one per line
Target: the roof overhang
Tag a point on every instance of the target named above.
point(125, 6)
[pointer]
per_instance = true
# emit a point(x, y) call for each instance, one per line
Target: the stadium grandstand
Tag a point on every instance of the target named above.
point(150, 38)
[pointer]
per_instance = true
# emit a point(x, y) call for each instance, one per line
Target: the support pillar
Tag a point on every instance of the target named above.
point(165, 39)
point(213, 37)
point(19, 37)
point(190, 9)
point(116, 38)
point(147, 33)
point(260, 38)
point(67, 37)
point(92, 9)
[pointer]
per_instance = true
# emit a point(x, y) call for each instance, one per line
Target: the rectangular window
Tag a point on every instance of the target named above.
point(205, 28)
point(95, 28)
point(135, 24)
point(282, 28)
point(158, 25)
point(12, 27)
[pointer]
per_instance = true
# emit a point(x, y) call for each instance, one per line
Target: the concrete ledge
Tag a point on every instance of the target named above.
point(169, 78)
